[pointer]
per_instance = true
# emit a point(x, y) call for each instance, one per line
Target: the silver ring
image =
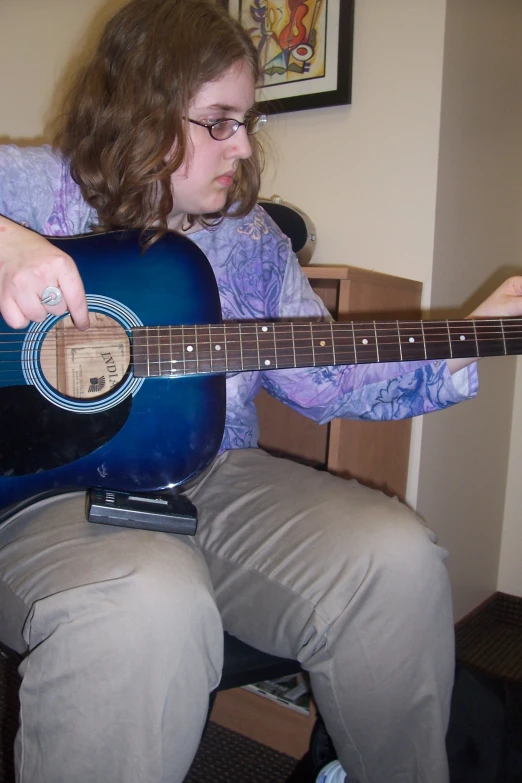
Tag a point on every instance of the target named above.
point(51, 296)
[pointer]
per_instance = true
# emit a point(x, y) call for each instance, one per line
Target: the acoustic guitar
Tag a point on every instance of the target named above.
point(137, 402)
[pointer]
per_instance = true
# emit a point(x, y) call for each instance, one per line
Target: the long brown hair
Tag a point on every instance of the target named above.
point(125, 111)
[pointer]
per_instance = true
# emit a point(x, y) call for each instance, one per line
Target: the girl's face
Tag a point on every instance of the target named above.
point(201, 185)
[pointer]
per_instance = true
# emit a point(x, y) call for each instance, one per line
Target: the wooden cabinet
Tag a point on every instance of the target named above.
point(265, 721)
point(376, 453)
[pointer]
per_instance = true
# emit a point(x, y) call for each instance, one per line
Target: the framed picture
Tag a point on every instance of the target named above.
point(305, 51)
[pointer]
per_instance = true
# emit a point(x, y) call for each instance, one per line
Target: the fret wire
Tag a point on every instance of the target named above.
point(173, 345)
point(241, 345)
point(192, 356)
point(476, 336)
point(312, 343)
point(424, 340)
point(449, 337)
point(333, 342)
point(293, 341)
point(148, 353)
point(354, 345)
point(275, 346)
point(258, 351)
point(503, 336)
point(210, 348)
point(376, 341)
point(400, 339)
point(225, 344)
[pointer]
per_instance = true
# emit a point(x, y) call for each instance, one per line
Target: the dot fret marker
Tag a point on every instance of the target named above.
point(411, 340)
point(190, 348)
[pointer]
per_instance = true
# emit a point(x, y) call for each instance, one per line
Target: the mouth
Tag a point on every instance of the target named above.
point(226, 179)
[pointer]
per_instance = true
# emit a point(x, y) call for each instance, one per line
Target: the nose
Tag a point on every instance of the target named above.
point(239, 144)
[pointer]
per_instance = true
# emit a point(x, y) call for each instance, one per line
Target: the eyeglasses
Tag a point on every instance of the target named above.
point(221, 130)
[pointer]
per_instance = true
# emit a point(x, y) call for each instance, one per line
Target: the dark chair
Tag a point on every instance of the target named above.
point(244, 665)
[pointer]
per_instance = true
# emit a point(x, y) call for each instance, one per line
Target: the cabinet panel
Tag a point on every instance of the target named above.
point(265, 721)
point(375, 453)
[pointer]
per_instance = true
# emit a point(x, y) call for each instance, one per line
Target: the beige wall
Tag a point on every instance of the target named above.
point(367, 172)
point(462, 481)
point(510, 568)
point(370, 176)
point(38, 40)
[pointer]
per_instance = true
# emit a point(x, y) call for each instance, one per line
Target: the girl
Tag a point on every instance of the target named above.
point(122, 630)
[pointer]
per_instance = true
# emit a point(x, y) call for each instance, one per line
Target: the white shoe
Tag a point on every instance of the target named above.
point(332, 773)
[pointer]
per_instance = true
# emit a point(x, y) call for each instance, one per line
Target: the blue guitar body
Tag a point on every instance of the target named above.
point(145, 435)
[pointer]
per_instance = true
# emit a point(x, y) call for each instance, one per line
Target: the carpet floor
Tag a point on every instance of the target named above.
point(223, 756)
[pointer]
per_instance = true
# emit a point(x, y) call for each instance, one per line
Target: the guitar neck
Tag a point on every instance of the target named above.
point(243, 346)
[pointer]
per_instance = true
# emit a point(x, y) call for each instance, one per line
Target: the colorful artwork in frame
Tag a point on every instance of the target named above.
point(305, 51)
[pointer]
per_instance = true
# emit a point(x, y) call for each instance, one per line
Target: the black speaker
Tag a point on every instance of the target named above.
point(295, 223)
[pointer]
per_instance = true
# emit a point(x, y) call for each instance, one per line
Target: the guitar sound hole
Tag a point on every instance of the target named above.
point(89, 364)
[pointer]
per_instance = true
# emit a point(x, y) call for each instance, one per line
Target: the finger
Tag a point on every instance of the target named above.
point(28, 305)
point(71, 286)
point(515, 285)
point(13, 316)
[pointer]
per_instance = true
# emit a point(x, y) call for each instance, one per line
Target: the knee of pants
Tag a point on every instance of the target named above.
point(159, 604)
point(389, 557)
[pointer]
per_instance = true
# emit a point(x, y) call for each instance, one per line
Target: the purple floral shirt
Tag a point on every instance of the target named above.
point(258, 277)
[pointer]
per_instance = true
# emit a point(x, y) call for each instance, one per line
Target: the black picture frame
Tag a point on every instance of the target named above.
point(341, 94)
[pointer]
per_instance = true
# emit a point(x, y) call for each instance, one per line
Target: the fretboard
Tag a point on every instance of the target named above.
point(237, 347)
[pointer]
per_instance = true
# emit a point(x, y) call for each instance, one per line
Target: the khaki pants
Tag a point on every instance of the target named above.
point(123, 628)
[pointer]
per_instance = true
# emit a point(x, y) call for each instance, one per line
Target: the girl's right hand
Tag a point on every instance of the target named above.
point(29, 264)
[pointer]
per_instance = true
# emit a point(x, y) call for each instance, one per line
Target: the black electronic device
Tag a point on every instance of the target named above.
point(166, 514)
point(295, 223)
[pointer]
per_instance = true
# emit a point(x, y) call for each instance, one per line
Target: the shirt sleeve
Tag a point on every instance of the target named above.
point(28, 178)
point(375, 392)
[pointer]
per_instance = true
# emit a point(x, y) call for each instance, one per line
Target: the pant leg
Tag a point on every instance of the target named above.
point(352, 584)
point(123, 642)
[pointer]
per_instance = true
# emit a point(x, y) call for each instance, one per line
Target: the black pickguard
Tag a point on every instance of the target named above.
point(37, 435)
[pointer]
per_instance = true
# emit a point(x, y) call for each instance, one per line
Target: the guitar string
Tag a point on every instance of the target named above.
point(202, 347)
point(339, 328)
point(187, 363)
point(392, 323)
point(485, 334)
point(203, 365)
point(247, 329)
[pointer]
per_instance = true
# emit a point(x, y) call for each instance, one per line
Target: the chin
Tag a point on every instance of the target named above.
point(216, 205)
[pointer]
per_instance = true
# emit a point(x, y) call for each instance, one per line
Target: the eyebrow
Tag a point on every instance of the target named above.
point(223, 107)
